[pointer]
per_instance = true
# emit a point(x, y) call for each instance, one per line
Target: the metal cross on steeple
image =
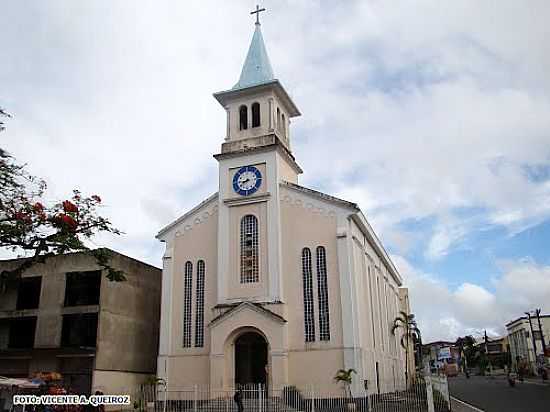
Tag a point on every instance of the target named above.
point(257, 13)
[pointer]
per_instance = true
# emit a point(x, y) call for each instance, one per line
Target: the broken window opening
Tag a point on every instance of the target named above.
point(82, 288)
point(28, 293)
point(22, 332)
point(79, 330)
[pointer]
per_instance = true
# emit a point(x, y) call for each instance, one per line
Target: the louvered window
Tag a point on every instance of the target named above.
point(309, 311)
point(322, 290)
point(187, 296)
point(199, 310)
point(249, 249)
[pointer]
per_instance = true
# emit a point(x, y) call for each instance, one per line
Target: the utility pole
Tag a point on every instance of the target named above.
point(487, 350)
point(544, 372)
point(537, 312)
point(532, 336)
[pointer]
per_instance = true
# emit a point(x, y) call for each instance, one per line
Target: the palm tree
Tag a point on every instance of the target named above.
point(345, 376)
point(407, 324)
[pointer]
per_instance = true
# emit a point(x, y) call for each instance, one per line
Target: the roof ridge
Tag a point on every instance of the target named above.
point(186, 215)
point(322, 195)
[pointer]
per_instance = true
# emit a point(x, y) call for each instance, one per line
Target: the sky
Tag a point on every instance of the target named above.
point(435, 117)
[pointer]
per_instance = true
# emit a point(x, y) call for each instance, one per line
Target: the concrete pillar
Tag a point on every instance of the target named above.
point(278, 369)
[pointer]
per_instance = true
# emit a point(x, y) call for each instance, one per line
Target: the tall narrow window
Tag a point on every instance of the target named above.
point(199, 309)
point(324, 320)
point(187, 292)
point(309, 315)
point(278, 118)
point(249, 249)
point(243, 118)
point(283, 124)
point(255, 114)
point(371, 298)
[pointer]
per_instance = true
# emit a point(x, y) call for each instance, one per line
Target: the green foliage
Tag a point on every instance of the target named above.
point(293, 398)
point(37, 231)
point(468, 349)
point(411, 334)
point(482, 362)
point(154, 380)
point(345, 376)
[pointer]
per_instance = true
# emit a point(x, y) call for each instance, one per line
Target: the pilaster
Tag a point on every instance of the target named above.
point(348, 298)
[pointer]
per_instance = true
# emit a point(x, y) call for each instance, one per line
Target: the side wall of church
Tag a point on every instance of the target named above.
point(197, 240)
point(378, 305)
point(304, 224)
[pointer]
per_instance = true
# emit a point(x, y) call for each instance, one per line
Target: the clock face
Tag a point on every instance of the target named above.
point(247, 180)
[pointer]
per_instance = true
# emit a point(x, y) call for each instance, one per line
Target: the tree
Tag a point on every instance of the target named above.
point(407, 323)
point(467, 351)
point(39, 230)
point(3, 113)
point(345, 376)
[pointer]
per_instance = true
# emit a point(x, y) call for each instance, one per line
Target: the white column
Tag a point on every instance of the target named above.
point(348, 298)
point(228, 127)
point(270, 108)
point(274, 229)
point(165, 337)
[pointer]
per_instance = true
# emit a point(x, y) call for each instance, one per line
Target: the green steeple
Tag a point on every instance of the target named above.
point(257, 68)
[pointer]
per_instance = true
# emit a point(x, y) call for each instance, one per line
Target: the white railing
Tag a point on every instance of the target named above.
point(423, 394)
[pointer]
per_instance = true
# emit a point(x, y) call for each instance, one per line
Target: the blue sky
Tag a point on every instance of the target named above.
point(434, 117)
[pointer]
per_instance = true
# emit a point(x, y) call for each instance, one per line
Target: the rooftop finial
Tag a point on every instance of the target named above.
point(257, 13)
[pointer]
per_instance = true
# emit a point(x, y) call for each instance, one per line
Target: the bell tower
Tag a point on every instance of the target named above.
point(255, 157)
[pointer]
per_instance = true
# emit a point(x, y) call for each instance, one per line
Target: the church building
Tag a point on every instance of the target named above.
point(267, 281)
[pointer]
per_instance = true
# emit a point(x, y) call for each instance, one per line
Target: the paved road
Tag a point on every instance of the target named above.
point(493, 394)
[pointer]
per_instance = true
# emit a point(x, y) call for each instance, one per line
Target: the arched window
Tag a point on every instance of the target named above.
point(199, 309)
point(307, 279)
point(278, 118)
point(243, 117)
point(249, 249)
point(283, 124)
point(255, 114)
point(322, 285)
point(187, 292)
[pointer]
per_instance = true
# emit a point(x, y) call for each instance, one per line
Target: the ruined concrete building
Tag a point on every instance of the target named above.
point(66, 316)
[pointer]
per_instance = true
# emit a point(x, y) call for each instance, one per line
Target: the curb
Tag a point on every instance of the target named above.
point(474, 408)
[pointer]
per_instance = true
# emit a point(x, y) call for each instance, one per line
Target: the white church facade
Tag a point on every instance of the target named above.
point(267, 281)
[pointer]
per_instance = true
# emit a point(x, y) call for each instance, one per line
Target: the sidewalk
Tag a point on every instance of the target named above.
point(531, 380)
point(459, 406)
point(535, 381)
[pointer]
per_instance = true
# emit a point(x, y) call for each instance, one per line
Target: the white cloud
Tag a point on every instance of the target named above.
point(444, 312)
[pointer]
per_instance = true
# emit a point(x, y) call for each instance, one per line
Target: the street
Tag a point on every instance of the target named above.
point(493, 394)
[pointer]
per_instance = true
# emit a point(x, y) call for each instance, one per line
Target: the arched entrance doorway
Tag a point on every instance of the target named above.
point(250, 359)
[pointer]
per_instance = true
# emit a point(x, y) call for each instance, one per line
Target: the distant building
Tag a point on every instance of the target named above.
point(438, 354)
point(65, 316)
point(523, 342)
point(497, 350)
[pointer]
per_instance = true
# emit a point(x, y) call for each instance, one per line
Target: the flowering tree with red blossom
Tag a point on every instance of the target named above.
point(37, 230)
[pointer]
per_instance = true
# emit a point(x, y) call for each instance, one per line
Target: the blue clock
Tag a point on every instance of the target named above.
point(247, 180)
